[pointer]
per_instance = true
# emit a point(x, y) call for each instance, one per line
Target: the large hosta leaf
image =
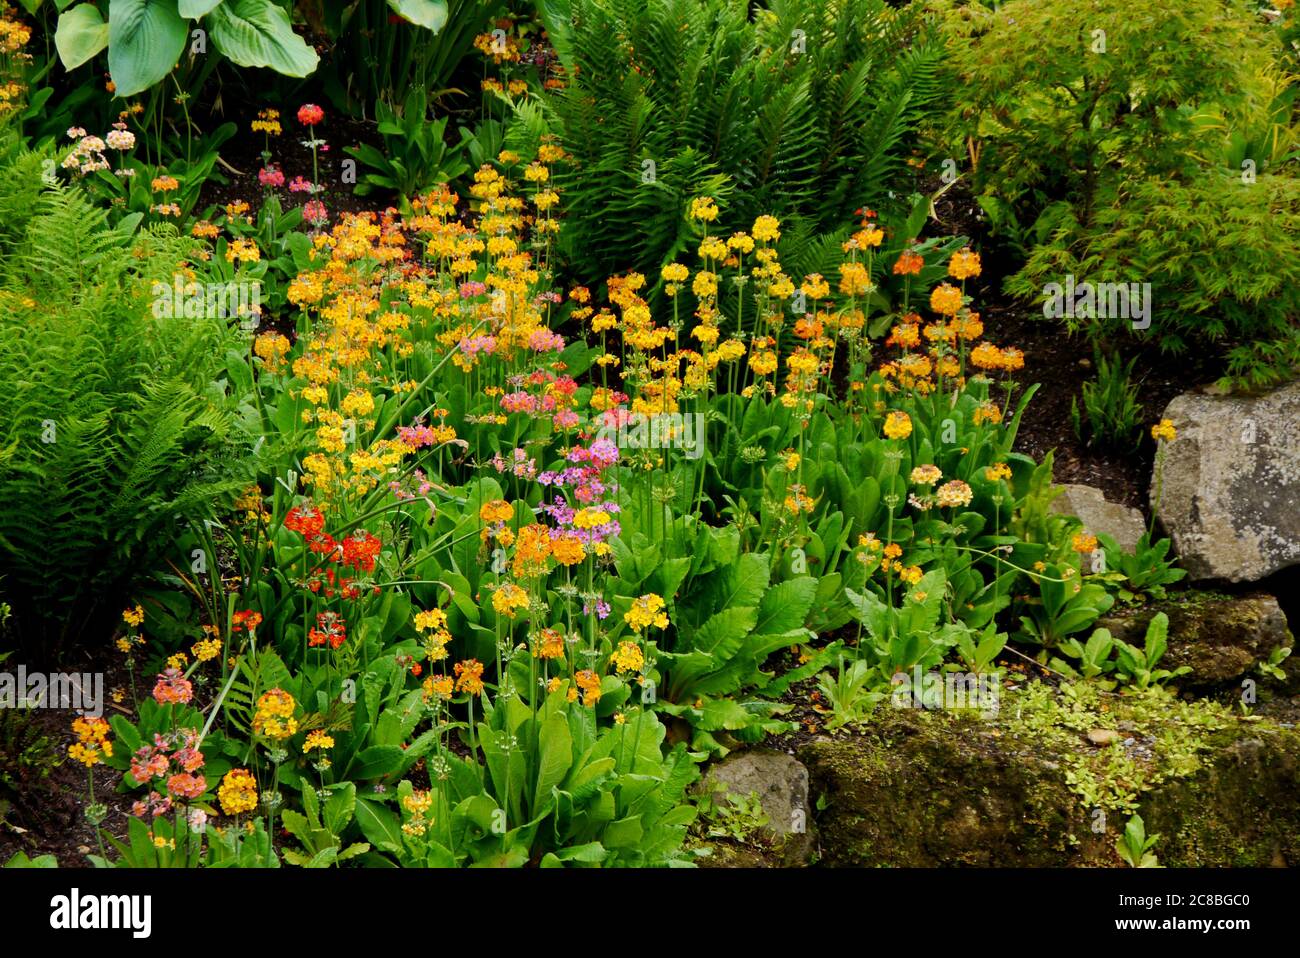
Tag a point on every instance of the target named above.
point(257, 33)
point(193, 9)
point(431, 14)
point(80, 35)
point(145, 39)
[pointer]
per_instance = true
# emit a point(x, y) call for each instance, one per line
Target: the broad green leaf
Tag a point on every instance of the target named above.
point(193, 9)
point(430, 14)
point(145, 39)
point(80, 35)
point(257, 33)
point(785, 606)
point(380, 825)
point(555, 755)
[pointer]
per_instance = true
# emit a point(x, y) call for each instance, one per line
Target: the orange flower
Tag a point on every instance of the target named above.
point(469, 676)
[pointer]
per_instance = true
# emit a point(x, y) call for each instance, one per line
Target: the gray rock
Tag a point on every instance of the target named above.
point(781, 783)
point(1098, 514)
point(1231, 484)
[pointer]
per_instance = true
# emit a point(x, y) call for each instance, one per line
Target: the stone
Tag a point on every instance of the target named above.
point(780, 783)
point(919, 788)
point(1221, 638)
point(1103, 736)
point(1098, 514)
point(1230, 493)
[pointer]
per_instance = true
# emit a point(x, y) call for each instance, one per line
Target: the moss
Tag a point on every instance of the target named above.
point(1027, 788)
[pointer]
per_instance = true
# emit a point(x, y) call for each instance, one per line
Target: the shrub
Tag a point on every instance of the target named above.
point(1096, 138)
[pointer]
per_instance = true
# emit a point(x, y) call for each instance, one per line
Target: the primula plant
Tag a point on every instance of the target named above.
point(449, 466)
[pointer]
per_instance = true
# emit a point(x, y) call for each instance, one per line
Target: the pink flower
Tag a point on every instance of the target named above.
point(172, 687)
point(314, 213)
point(299, 185)
point(270, 176)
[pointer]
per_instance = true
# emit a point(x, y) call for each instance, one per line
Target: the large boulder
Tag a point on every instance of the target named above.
point(1231, 484)
point(1100, 515)
point(1051, 781)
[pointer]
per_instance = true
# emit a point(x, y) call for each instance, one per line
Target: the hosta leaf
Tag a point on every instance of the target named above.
point(257, 33)
point(145, 39)
point(80, 35)
point(193, 9)
point(430, 14)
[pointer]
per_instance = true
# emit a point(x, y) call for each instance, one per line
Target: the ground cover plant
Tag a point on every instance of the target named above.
point(448, 460)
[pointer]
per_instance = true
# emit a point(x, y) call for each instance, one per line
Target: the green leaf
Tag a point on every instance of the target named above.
point(724, 714)
point(257, 33)
point(724, 632)
point(339, 808)
point(193, 9)
point(430, 14)
point(555, 755)
point(145, 39)
point(624, 833)
point(785, 606)
point(80, 35)
point(380, 825)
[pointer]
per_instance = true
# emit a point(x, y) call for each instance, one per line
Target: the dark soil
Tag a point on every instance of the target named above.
point(1061, 363)
point(48, 818)
point(242, 159)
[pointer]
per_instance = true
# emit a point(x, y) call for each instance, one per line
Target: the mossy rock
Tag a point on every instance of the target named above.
point(1221, 638)
point(1029, 788)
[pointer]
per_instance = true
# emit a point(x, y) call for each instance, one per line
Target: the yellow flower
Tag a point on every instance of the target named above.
point(898, 425)
point(945, 299)
point(1083, 543)
point(274, 717)
point(508, 599)
point(911, 575)
point(645, 612)
point(628, 657)
point(430, 619)
point(766, 229)
point(317, 739)
point(964, 264)
point(675, 273)
point(134, 616)
point(954, 493)
point(238, 792)
point(703, 208)
point(926, 475)
point(589, 682)
point(1164, 429)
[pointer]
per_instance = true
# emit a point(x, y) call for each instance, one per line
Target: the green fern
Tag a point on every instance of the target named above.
point(113, 438)
point(808, 110)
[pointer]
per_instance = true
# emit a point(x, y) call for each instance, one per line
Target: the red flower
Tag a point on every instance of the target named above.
point(309, 114)
point(247, 620)
point(331, 630)
point(361, 550)
point(304, 520)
